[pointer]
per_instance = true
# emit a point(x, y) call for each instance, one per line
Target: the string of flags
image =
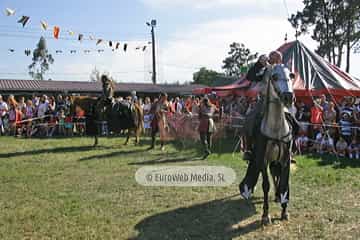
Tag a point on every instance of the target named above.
point(57, 31)
point(28, 52)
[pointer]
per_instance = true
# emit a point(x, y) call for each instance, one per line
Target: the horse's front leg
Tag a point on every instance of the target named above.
point(266, 219)
point(285, 190)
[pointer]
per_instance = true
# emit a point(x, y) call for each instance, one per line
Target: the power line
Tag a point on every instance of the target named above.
point(39, 30)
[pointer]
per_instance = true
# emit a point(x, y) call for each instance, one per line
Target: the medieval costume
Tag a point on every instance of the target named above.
point(159, 122)
point(256, 72)
point(207, 125)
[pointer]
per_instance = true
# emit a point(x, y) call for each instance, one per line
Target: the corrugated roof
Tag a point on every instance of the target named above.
point(79, 86)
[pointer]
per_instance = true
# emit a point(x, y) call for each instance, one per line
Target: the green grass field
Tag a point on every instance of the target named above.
point(65, 189)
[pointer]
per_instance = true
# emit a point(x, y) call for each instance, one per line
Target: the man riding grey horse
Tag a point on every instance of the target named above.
point(272, 130)
point(279, 71)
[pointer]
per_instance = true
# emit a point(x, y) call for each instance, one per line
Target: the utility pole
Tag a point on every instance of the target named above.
point(153, 25)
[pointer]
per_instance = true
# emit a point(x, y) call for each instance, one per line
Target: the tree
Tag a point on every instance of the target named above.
point(205, 76)
point(41, 60)
point(239, 59)
point(334, 24)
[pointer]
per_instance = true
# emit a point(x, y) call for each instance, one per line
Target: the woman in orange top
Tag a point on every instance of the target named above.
point(316, 118)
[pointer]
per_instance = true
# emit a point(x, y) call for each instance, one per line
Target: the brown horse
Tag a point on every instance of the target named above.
point(119, 116)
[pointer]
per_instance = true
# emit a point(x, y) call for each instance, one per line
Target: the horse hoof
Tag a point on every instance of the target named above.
point(266, 220)
point(245, 192)
point(284, 217)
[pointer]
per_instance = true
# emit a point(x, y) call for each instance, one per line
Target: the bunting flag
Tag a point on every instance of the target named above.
point(23, 20)
point(80, 38)
point(44, 25)
point(27, 52)
point(9, 12)
point(56, 32)
point(71, 51)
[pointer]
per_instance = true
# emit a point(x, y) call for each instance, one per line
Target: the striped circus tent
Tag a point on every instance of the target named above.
point(314, 76)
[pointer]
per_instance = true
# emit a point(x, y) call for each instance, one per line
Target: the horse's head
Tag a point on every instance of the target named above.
point(281, 79)
point(107, 86)
point(278, 94)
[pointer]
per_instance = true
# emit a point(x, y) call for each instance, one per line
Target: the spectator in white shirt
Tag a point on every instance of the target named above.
point(3, 110)
point(43, 107)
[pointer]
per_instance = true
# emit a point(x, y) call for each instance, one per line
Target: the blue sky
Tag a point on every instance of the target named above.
point(190, 34)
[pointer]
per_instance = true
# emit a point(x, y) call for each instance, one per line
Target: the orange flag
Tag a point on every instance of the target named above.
point(56, 32)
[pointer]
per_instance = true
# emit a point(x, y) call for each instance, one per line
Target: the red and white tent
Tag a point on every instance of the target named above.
point(313, 76)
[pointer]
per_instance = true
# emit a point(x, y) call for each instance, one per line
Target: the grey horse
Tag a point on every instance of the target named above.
point(272, 142)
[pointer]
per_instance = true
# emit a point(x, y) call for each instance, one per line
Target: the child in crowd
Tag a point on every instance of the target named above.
point(80, 121)
point(302, 142)
point(51, 126)
point(341, 147)
point(346, 126)
point(61, 118)
point(353, 149)
point(327, 144)
point(318, 140)
point(69, 126)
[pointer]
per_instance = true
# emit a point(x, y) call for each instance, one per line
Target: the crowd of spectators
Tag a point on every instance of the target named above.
point(327, 126)
point(39, 116)
point(50, 115)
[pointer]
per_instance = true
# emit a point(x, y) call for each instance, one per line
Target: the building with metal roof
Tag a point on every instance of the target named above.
point(28, 87)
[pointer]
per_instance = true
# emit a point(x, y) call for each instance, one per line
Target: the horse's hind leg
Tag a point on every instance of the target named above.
point(275, 170)
point(265, 220)
point(127, 137)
